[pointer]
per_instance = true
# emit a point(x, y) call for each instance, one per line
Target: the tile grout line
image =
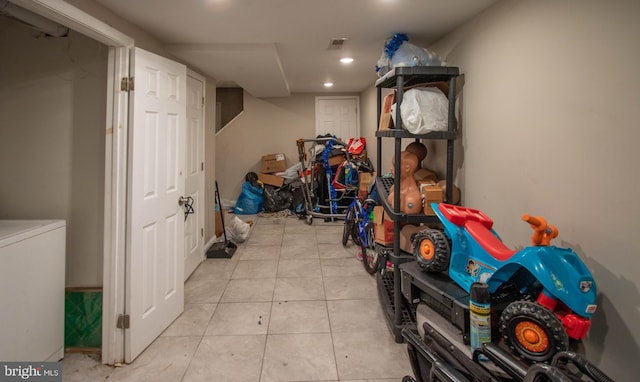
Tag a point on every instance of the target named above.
point(204, 332)
point(326, 304)
point(273, 293)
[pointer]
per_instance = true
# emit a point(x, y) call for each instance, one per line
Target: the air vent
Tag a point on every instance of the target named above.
point(337, 43)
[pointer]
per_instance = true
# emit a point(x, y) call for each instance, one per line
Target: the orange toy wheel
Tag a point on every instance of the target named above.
point(531, 336)
point(532, 332)
point(431, 250)
point(427, 250)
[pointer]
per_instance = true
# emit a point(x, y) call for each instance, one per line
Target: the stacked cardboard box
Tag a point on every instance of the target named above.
point(272, 163)
point(364, 180)
point(430, 194)
point(406, 234)
point(383, 228)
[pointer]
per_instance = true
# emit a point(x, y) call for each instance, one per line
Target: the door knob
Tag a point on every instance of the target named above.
point(187, 202)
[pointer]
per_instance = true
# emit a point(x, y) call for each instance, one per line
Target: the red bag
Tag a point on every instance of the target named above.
point(356, 145)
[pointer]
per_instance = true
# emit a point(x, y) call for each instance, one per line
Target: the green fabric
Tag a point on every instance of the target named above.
point(83, 319)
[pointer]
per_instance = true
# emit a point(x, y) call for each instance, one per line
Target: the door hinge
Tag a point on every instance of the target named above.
point(123, 321)
point(126, 84)
point(202, 232)
point(201, 166)
point(202, 101)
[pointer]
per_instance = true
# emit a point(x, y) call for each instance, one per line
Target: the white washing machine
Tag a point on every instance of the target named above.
point(32, 286)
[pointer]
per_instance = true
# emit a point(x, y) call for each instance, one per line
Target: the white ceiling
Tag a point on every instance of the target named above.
point(273, 48)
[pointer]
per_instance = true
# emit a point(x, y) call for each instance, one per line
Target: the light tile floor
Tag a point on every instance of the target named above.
point(292, 304)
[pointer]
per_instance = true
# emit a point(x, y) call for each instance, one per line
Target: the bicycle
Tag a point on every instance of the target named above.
point(359, 226)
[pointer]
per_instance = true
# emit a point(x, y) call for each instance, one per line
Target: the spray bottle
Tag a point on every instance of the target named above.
point(479, 315)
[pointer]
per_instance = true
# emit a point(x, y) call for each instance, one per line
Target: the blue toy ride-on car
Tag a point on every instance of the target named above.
point(542, 294)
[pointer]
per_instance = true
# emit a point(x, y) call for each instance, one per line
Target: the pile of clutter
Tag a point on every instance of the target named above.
point(275, 188)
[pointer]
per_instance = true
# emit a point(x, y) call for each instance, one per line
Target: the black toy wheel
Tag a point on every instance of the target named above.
point(349, 224)
point(532, 332)
point(369, 253)
point(355, 237)
point(432, 251)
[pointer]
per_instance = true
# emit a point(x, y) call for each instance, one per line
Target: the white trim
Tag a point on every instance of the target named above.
point(230, 122)
point(76, 19)
point(203, 212)
point(356, 98)
point(113, 297)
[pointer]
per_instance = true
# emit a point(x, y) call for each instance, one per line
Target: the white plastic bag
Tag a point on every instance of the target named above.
point(237, 230)
point(424, 110)
point(292, 172)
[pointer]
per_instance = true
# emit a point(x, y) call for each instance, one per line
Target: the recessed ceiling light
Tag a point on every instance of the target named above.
point(328, 84)
point(346, 60)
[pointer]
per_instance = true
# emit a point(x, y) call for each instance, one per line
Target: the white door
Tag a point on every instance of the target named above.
point(194, 223)
point(338, 116)
point(155, 236)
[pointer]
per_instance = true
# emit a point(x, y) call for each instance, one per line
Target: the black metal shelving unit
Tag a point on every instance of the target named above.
point(389, 283)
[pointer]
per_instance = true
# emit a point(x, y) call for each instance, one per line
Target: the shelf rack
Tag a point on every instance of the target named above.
point(389, 283)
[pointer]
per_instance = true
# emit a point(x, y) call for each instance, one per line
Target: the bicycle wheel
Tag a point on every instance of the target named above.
point(357, 220)
point(368, 248)
point(349, 224)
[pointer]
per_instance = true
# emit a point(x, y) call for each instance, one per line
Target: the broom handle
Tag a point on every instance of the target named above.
point(219, 203)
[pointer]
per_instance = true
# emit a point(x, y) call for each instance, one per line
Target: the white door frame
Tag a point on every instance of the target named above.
point(116, 131)
point(200, 205)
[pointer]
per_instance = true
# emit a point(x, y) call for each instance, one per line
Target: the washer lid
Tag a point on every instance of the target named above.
point(12, 231)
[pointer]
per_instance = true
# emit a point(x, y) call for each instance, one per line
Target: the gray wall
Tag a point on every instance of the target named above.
point(549, 122)
point(231, 102)
point(267, 126)
point(52, 123)
point(548, 127)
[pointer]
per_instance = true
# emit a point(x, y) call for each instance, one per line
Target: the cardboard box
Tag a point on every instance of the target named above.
point(406, 236)
point(383, 228)
point(272, 180)
point(273, 163)
point(364, 180)
point(218, 222)
point(443, 86)
point(336, 160)
point(362, 155)
point(424, 183)
point(430, 194)
point(455, 194)
point(386, 122)
point(425, 174)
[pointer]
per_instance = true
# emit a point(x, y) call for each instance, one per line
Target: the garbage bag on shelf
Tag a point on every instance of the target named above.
point(413, 55)
point(424, 110)
point(398, 51)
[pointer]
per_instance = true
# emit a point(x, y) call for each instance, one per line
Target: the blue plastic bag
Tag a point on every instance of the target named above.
point(250, 200)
